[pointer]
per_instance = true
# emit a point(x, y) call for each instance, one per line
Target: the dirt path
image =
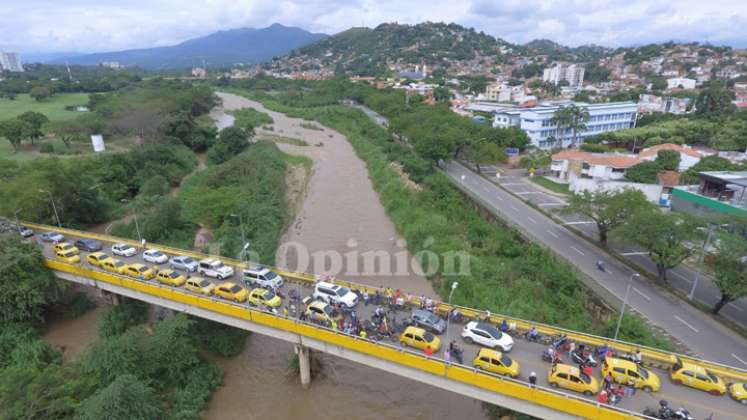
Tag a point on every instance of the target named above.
point(340, 209)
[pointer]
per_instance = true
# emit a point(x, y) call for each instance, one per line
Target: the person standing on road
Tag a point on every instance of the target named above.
point(608, 381)
point(428, 351)
point(533, 379)
point(571, 348)
point(602, 397)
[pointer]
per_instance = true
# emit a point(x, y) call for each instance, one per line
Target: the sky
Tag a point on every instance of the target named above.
point(32, 26)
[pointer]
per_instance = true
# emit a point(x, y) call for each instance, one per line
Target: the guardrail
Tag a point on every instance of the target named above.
point(651, 356)
point(506, 386)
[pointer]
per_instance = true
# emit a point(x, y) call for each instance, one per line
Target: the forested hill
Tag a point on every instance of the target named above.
point(365, 51)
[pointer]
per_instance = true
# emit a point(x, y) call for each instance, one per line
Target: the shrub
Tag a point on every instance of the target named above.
point(118, 319)
point(219, 338)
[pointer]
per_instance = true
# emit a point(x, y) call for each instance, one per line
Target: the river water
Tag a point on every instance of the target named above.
point(341, 212)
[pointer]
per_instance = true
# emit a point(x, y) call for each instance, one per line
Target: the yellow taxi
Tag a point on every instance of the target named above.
point(114, 265)
point(66, 247)
point(231, 291)
point(696, 376)
point(260, 296)
point(140, 271)
point(624, 372)
point(494, 361)
point(170, 277)
point(420, 339)
point(97, 259)
point(69, 256)
point(738, 391)
point(199, 285)
point(570, 377)
point(321, 312)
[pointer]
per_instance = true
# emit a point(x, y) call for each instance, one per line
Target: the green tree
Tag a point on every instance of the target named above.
point(573, 117)
point(34, 122)
point(39, 93)
point(607, 209)
point(663, 235)
point(644, 172)
point(127, 398)
point(668, 160)
point(485, 153)
point(231, 141)
point(28, 287)
point(730, 269)
point(15, 131)
point(714, 100)
point(442, 94)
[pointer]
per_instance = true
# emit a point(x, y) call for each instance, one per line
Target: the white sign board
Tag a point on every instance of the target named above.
point(98, 143)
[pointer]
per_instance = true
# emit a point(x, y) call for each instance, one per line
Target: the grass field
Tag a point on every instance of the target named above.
point(550, 185)
point(53, 107)
point(28, 152)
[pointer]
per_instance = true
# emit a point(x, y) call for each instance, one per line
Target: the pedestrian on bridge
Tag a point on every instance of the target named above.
point(602, 397)
point(533, 379)
point(428, 351)
point(365, 297)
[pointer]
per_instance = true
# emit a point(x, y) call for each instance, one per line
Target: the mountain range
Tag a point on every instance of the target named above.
point(220, 49)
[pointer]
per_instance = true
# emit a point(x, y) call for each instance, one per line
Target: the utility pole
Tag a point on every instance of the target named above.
point(711, 227)
point(54, 207)
point(625, 302)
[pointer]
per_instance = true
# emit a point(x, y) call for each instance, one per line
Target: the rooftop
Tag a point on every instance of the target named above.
point(614, 160)
point(727, 177)
point(685, 150)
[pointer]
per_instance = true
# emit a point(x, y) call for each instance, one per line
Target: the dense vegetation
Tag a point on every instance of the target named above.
point(247, 118)
point(507, 275)
point(56, 79)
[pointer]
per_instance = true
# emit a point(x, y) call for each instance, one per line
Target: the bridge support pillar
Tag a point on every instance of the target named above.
point(115, 299)
point(304, 365)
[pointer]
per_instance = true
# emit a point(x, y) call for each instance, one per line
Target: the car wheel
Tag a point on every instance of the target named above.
point(403, 343)
point(219, 277)
point(469, 340)
point(743, 401)
point(647, 389)
point(677, 381)
point(554, 384)
point(588, 393)
point(716, 392)
point(477, 367)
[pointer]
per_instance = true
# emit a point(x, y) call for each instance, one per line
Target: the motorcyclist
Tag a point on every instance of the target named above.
point(600, 265)
point(532, 334)
point(637, 357)
point(664, 411)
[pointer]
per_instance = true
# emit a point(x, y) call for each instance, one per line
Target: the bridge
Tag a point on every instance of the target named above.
point(517, 394)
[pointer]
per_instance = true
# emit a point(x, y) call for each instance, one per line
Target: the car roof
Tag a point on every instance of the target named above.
point(258, 269)
point(165, 271)
point(327, 284)
point(319, 303)
point(414, 330)
point(87, 240)
point(693, 367)
point(137, 265)
point(483, 326)
point(622, 363)
point(98, 254)
point(490, 353)
point(228, 284)
point(564, 368)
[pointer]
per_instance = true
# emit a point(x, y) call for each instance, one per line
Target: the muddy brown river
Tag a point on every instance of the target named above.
point(341, 212)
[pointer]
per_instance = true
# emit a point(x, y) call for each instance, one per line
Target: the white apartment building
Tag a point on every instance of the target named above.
point(538, 122)
point(598, 166)
point(681, 83)
point(573, 74)
point(10, 61)
point(505, 93)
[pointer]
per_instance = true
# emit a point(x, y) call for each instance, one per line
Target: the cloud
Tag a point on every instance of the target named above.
point(104, 25)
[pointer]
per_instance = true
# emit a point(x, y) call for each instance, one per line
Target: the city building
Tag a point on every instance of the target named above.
point(688, 155)
point(718, 192)
point(502, 92)
point(597, 166)
point(538, 122)
point(681, 83)
point(199, 73)
point(648, 103)
point(10, 61)
point(573, 74)
point(111, 64)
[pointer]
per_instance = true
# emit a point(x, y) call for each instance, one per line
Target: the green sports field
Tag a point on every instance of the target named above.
point(53, 107)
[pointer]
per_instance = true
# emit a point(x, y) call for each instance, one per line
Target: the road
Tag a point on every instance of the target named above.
point(701, 334)
point(527, 354)
point(680, 277)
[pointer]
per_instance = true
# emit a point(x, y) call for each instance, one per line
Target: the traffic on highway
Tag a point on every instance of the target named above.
point(395, 317)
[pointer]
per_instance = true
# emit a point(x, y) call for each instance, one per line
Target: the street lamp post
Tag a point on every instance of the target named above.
point(134, 216)
point(691, 295)
point(448, 315)
point(54, 207)
point(625, 302)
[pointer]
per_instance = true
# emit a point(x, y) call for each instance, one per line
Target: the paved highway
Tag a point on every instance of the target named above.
point(527, 354)
point(702, 335)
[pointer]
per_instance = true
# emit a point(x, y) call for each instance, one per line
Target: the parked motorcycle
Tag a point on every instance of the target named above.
point(582, 357)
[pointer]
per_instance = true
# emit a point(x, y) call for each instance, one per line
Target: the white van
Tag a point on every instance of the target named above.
point(333, 293)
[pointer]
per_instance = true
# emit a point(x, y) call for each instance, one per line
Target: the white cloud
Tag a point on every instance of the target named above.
point(100, 25)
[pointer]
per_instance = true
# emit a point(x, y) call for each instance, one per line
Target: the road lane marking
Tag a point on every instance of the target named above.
point(514, 207)
point(553, 234)
point(682, 277)
point(642, 294)
point(512, 183)
point(686, 324)
point(735, 307)
point(531, 220)
point(627, 254)
point(577, 250)
point(737, 357)
point(550, 204)
point(528, 192)
point(579, 223)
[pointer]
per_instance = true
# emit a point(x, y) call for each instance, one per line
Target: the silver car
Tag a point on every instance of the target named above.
point(183, 262)
point(428, 321)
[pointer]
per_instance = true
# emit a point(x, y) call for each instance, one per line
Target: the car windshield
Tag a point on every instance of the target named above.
point(433, 319)
point(187, 260)
point(643, 372)
point(506, 361)
point(235, 288)
point(269, 294)
point(271, 275)
point(173, 274)
point(142, 268)
point(342, 291)
point(69, 254)
point(327, 310)
point(156, 253)
point(494, 333)
point(428, 337)
point(204, 283)
point(744, 386)
point(119, 264)
point(584, 377)
point(217, 265)
point(713, 378)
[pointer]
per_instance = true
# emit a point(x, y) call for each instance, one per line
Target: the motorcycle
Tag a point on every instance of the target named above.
point(583, 358)
point(549, 357)
point(536, 338)
point(666, 413)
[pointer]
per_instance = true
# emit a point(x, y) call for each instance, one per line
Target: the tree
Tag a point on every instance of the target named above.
point(127, 398)
point(730, 269)
point(573, 117)
point(663, 235)
point(442, 94)
point(28, 287)
point(485, 153)
point(668, 160)
point(39, 93)
point(14, 130)
point(607, 209)
point(713, 100)
point(34, 122)
point(231, 141)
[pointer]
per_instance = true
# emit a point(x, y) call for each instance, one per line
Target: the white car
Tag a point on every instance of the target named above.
point(333, 293)
point(212, 267)
point(262, 277)
point(487, 335)
point(183, 262)
point(155, 256)
point(53, 237)
point(124, 250)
